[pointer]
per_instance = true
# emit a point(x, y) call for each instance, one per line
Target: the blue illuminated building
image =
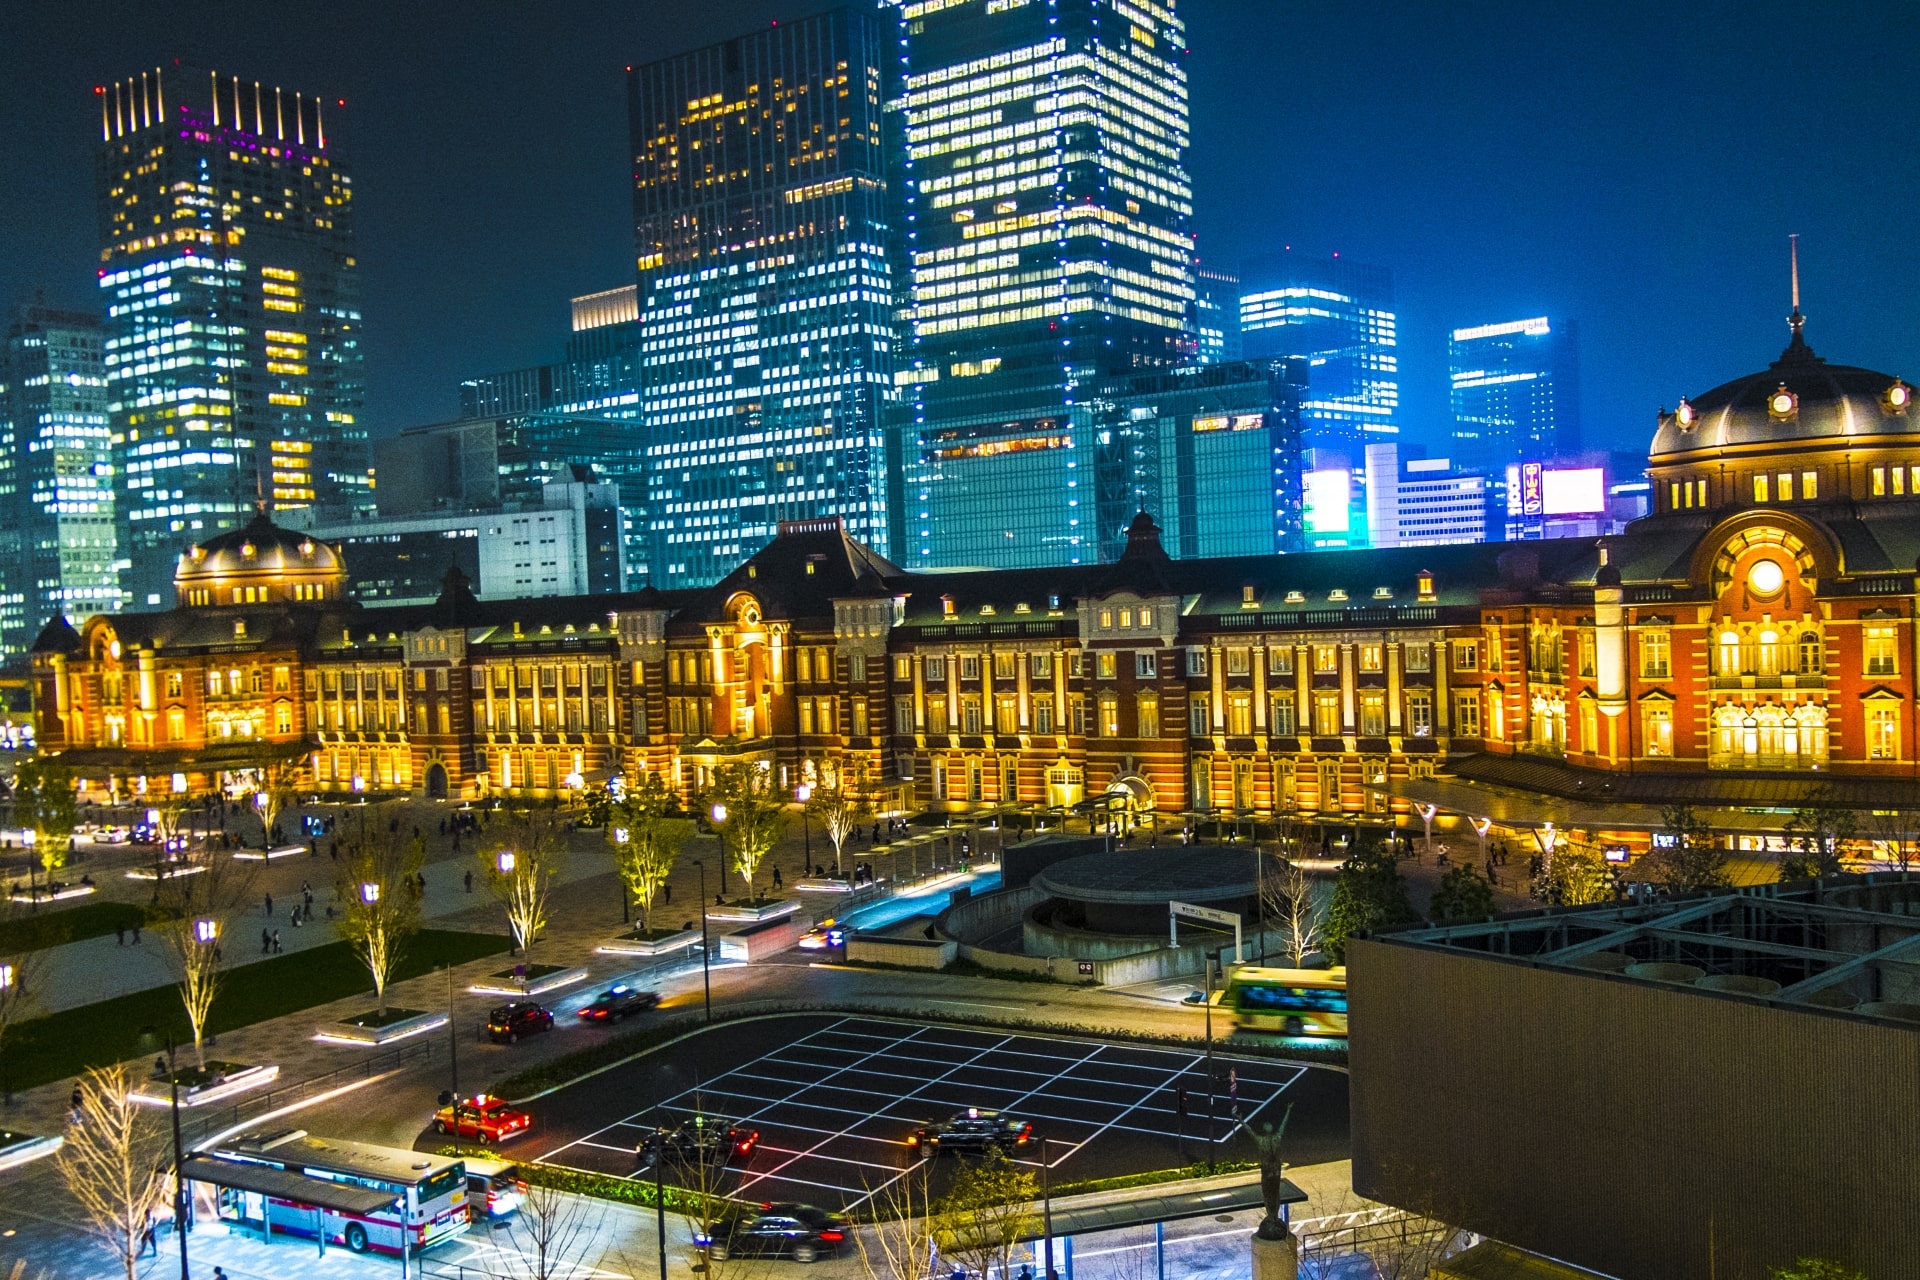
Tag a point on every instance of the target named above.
point(1515, 391)
point(1338, 316)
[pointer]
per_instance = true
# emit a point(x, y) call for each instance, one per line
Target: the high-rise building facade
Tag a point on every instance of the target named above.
point(57, 532)
point(231, 287)
point(1048, 248)
point(1515, 391)
point(762, 201)
point(1216, 315)
point(1338, 316)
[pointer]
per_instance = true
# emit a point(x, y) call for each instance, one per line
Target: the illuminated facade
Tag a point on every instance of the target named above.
point(762, 215)
point(1739, 655)
point(1338, 316)
point(1216, 315)
point(1515, 391)
point(58, 538)
point(231, 288)
point(1048, 248)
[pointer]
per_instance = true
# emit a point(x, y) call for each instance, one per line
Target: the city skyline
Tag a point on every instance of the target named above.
point(1580, 218)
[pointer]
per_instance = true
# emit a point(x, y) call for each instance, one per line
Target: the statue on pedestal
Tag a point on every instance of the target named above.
point(1267, 1140)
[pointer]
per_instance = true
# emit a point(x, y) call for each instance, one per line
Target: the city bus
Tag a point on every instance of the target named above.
point(430, 1192)
point(1295, 1002)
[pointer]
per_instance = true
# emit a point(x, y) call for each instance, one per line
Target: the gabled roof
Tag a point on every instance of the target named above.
point(58, 636)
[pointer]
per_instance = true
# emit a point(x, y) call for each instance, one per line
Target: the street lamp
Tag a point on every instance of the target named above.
point(706, 958)
point(719, 815)
point(369, 892)
point(505, 862)
point(804, 793)
point(205, 930)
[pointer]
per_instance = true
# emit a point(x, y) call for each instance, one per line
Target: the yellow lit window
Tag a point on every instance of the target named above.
point(1786, 486)
point(1760, 489)
point(1879, 482)
point(1809, 485)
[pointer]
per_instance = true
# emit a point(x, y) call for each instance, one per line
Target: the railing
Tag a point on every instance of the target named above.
point(200, 1124)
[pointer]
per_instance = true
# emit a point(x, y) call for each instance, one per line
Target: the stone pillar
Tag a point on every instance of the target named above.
point(1276, 1259)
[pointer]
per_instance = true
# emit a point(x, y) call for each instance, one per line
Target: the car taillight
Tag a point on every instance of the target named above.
point(913, 1139)
point(832, 1237)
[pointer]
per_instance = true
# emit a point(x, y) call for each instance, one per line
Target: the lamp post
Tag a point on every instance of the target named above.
point(706, 956)
point(179, 1187)
point(7, 979)
point(719, 815)
point(1046, 1208)
point(369, 892)
point(505, 862)
point(804, 793)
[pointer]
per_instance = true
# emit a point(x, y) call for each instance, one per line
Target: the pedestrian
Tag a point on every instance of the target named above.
point(75, 1100)
point(269, 906)
point(147, 1240)
point(266, 942)
point(666, 889)
point(120, 935)
point(136, 933)
point(776, 877)
point(277, 948)
point(456, 840)
point(218, 1274)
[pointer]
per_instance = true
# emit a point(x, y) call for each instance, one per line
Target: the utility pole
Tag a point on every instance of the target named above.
point(1209, 1007)
point(706, 956)
point(453, 1052)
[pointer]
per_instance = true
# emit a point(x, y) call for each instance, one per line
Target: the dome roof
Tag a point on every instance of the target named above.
point(262, 553)
point(1822, 401)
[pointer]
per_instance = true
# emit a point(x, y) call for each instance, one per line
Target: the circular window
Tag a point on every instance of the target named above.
point(1766, 577)
point(1781, 403)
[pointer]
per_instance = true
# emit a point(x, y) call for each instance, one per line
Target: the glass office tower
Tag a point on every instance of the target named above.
point(1048, 249)
point(57, 530)
point(232, 295)
point(1515, 392)
point(761, 224)
point(1338, 316)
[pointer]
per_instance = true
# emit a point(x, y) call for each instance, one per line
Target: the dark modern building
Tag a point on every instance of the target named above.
point(1216, 315)
point(230, 282)
point(1709, 1085)
point(1515, 392)
point(1338, 316)
point(58, 538)
point(1048, 250)
point(762, 216)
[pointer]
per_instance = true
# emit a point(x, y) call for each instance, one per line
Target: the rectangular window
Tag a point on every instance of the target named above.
point(1239, 662)
point(1006, 715)
point(1466, 655)
point(1146, 666)
point(1043, 713)
point(805, 706)
point(1466, 715)
point(1107, 663)
point(1496, 716)
point(803, 667)
point(1586, 651)
point(1280, 716)
point(1326, 715)
point(1109, 716)
point(1146, 708)
point(1809, 485)
point(1043, 666)
point(1003, 665)
point(1326, 659)
point(823, 715)
point(1656, 655)
point(1883, 731)
point(936, 670)
point(903, 715)
point(1418, 657)
point(1373, 657)
point(903, 667)
point(174, 683)
point(1760, 488)
point(1899, 474)
point(1329, 786)
point(1199, 722)
point(970, 713)
point(1077, 708)
point(937, 713)
point(1240, 714)
point(1196, 661)
point(1420, 713)
point(1879, 482)
point(1656, 728)
point(1589, 726)
point(970, 666)
point(1879, 648)
point(1786, 486)
point(1373, 714)
point(1280, 661)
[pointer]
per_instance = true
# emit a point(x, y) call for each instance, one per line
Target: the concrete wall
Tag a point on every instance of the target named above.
point(916, 953)
point(1021, 862)
point(756, 942)
point(974, 920)
point(1627, 1127)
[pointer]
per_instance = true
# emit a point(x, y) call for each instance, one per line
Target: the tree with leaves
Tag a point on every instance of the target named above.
point(43, 803)
point(840, 808)
point(377, 887)
point(1816, 834)
point(987, 1211)
point(1462, 894)
point(647, 828)
point(1690, 859)
point(749, 811)
point(1815, 1269)
point(1287, 897)
point(21, 968)
point(192, 913)
point(1573, 875)
point(1370, 893)
point(519, 862)
point(113, 1163)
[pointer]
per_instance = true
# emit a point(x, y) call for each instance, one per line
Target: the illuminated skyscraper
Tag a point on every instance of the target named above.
point(231, 289)
point(761, 225)
point(1516, 392)
point(57, 533)
point(1338, 316)
point(1217, 315)
point(1048, 248)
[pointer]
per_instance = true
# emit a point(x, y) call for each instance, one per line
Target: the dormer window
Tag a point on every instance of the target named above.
point(1383, 593)
point(1296, 597)
point(1424, 582)
point(1247, 600)
point(946, 606)
point(1023, 607)
point(1337, 594)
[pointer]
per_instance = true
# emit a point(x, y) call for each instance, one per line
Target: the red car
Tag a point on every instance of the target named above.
point(483, 1116)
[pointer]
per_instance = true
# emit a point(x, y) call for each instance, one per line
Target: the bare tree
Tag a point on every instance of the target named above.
point(749, 810)
point(897, 1242)
point(1689, 860)
point(1287, 896)
point(276, 774)
point(556, 1235)
point(1894, 833)
point(841, 808)
point(1395, 1245)
point(195, 907)
point(378, 889)
point(987, 1211)
point(519, 864)
point(647, 828)
point(113, 1163)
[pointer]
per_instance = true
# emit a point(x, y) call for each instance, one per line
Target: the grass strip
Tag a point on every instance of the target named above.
point(1154, 1177)
point(133, 1026)
point(602, 1186)
point(36, 930)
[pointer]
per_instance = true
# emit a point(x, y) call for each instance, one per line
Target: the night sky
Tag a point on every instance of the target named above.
point(1634, 166)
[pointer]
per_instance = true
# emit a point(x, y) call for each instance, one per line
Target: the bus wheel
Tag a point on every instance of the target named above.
point(1295, 1027)
point(356, 1237)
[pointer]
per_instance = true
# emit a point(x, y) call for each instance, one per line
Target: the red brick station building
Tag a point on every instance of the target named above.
point(1748, 646)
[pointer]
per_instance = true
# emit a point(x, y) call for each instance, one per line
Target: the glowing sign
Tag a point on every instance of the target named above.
point(1581, 492)
point(1327, 500)
point(1530, 488)
point(1229, 422)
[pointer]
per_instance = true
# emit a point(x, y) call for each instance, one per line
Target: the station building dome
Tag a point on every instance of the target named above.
point(260, 564)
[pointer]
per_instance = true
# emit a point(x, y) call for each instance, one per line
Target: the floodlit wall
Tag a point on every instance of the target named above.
point(1627, 1127)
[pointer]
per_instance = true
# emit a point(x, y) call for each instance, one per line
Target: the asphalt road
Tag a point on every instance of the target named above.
point(834, 1097)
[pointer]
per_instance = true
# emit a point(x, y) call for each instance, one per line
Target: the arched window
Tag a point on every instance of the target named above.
point(1769, 653)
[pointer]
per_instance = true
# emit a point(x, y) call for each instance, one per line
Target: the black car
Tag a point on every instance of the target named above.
point(799, 1231)
point(972, 1130)
point(521, 1018)
point(617, 1001)
point(698, 1138)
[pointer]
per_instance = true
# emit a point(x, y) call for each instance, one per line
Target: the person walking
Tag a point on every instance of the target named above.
point(266, 942)
point(666, 891)
point(469, 873)
point(136, 933)
point(120, 935)
point(269, 906)
point(277, 948)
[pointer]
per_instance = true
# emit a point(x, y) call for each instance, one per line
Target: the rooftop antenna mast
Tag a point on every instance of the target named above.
point(1796, 320)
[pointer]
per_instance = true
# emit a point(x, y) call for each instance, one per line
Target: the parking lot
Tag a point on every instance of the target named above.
point(835, 1097)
